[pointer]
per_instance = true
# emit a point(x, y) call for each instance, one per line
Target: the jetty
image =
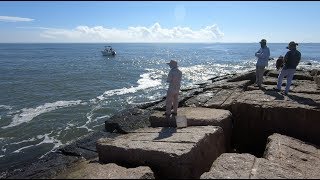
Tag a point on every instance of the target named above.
point(234, 130)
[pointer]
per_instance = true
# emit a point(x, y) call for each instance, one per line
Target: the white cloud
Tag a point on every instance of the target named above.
point(14, 19)
point(154, 33)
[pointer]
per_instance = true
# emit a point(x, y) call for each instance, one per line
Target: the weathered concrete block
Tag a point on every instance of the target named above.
point(258, 114)
point(223, 98)
point(219, 98)
point(200, 99)
point(247, 166)
point(170, 152)
point(198, 117)
point(298, 75)
point(303, 157)
point(95, 170)
point(228, 85)
point(251, 75)
point(230, 166)
point(304, 86)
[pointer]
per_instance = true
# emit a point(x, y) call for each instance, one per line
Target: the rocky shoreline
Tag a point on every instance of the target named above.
point(234, 130)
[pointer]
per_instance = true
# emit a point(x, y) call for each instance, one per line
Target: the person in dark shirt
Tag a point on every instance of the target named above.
point(291, 61)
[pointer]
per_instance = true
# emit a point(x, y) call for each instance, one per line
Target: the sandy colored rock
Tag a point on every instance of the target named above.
point(258, 114)
point(288, 151)
point(298, 75)
point(170, 152)
point(200, 99)
point(199, 117)
point(247, 166)
point(95, 170)
point(230, 166)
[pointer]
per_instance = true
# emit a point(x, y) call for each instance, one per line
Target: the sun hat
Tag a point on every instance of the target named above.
point(173, 63)
point(263, 41)
point(292, 44)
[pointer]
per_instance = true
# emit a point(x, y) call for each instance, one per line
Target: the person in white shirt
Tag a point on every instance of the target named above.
point(263, 55)
point(174, 80)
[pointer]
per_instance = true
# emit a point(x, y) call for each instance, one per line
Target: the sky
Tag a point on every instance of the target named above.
point(159, 21)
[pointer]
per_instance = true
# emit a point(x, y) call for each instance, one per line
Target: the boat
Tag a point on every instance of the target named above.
point(108, 51)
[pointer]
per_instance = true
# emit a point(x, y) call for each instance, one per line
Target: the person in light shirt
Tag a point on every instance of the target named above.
point(174, 80)
point(263, 55)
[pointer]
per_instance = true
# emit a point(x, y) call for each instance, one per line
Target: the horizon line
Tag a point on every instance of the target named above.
point(148, 42)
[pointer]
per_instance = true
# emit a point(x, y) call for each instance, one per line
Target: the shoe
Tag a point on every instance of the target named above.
point(284, 93)
point(276, 89)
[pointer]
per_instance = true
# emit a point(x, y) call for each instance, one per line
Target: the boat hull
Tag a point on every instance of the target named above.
point(105, 53)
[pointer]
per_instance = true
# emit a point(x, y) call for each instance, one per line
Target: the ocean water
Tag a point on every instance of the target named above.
point(51, 94)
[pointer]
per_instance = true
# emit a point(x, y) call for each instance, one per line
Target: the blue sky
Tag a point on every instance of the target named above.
point(160, 21)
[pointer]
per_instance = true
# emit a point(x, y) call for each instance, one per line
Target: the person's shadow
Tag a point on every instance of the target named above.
point(166, 132)
point(273, 93)
point(303, 100)
point(298, 99)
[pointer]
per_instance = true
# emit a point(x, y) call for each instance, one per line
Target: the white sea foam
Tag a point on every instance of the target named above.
point(23, 141)
point(102, 117)
point(91, 120)
point(85, 127)
point(46, 140)
point(69, 125)
point(3, 148)
point(5, 107)
point(147, 80)
point(28, 114)
point(19, 150)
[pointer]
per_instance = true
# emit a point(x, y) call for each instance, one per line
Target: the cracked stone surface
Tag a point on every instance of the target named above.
point(170, 152)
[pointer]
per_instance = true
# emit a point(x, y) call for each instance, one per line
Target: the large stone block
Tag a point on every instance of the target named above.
point(247, 166)
point(200, 99)
point(170, 152)
point(95, 170)
point(258, 114)
point(127, 120)
point(224, 99)
point(230, 166)
point(288, 151)
point(251, 75)
point(298, 75)
point(228, 85)
point(199, 117)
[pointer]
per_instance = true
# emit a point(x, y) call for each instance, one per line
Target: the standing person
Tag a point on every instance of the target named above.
point(263, 55)
point(174, 80)
point(291, 61)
